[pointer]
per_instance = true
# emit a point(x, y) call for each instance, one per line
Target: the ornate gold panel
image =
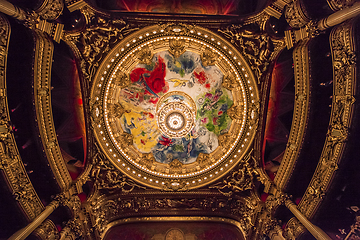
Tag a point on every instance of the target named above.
point(343, 55)
point(140, 48)
point(42, 94)
point(11, 165)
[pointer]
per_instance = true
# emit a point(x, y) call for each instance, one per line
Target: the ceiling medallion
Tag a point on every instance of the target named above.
point(174, 106)
point(175, 118)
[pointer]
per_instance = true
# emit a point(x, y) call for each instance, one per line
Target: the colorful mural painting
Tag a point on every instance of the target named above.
point(175, 108)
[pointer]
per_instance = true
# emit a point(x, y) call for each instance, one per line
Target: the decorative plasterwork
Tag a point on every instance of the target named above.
point(255, 45)
point(47, 231)
point(189, 219)
point(50, 9)
point(117, 144)
point(276, 8)
point(96, 40)
point(295, 14)
point(300, 116)
point(11, 165)
point(344, 66)
point(337, 5)
point(42, 96)
point(106, 212)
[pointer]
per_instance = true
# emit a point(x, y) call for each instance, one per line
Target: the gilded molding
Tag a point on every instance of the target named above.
point(343, 56)
point(42, 96)
point(106, 210)
point(10, 162)
point(117, 145)
point(174, 219)
point(300, 116)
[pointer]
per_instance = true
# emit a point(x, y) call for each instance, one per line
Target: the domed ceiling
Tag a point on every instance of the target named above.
point(174, 106)
point(154, 122)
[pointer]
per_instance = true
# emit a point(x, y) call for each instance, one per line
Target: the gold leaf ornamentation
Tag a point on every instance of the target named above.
point(147, 159)
point(145, 55)
point(208, 57)
point(229, 82)
point(122, 80)
point(117, 110)
point(176, 47)
point(235, 112)
point(126, 139)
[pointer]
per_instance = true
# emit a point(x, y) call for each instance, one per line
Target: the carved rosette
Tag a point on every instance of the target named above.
point(118, 146)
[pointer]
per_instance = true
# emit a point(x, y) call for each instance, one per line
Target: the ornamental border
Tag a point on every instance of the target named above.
point(11, 164)
point(342, 45)
point(42, 100)
point(300, 116)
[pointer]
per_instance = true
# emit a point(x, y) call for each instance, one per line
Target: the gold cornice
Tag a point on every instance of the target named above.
point(11, 164)
point(343, 59)
point(109, 208)
point(42, 95)
point(174, 219)
point(300, 116)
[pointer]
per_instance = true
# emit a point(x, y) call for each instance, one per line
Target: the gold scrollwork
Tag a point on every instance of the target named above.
point(122, 80)
point(229, 82)
point(208, 57)
point(296, 15)
point(47, 231)
point(176, 47)
point(50, 9)
point(106, 176)
point(145, 55)
point(126, 139)
point(175, 166)
point(235, 112)
point(117, 110)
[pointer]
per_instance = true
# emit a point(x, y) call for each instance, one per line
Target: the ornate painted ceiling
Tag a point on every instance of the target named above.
point(179, 120)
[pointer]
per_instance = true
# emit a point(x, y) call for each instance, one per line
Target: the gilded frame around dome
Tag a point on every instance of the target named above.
point(140, 47)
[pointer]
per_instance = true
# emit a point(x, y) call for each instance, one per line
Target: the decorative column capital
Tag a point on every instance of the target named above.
point(50, 9)
point(295, 14)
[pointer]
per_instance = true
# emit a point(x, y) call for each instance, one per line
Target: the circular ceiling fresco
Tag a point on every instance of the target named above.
point(174, 106)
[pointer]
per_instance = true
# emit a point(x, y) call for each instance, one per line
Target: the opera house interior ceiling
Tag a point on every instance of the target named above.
point(179, 119)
